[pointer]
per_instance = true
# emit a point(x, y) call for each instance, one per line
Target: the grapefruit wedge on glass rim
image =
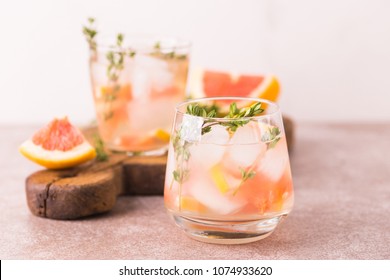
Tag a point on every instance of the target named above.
point(210, 83)
point(58, 145)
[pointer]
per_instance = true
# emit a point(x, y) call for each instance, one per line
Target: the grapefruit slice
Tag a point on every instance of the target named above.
point(58, 145)
point(208, 83)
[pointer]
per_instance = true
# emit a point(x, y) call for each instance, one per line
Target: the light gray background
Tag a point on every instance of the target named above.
point(332, 57)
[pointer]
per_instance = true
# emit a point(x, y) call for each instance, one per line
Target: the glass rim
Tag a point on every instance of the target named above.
point(266, 115)
point(177, 43)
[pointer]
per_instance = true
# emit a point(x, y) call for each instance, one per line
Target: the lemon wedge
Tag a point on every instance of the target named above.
point(190, 204)
point(219, 179)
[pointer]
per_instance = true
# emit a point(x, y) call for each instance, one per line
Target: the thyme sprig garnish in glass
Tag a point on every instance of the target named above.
point(202, 111)
point(172, 54)
point(115, 66)
point(90, 33)
point(182, 156)
point(271, 137)
point(116, 60)
point(245, 175)
point(209, 113)
point(234, 113)
point(232, 120)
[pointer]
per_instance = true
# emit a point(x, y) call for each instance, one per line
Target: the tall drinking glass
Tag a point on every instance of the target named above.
point(228, 177)
point(136, 83)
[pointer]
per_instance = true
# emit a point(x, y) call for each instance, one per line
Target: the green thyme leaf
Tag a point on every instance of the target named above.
point(273, 143)
point(157, 45)
point(170, 55)
point(206, 129)
point(233, 110)
point(212, 114)
point(234, 113)
point(176, 175)
point(182, 156)
point(181, 56)
point(119, 40)
point(245, 175)
point(116, 59)
point(180, 175)
point(167, 55)
point(90, 33)
point(202, 111)
point(271, 137)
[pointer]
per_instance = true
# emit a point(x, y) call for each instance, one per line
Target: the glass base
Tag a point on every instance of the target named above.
point(231, 232)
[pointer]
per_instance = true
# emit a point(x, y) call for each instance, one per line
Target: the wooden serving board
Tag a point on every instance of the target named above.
point(92, 188)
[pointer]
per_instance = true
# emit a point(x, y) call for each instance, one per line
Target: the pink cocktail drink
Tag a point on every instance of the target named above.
point(228, 180)
point(136, 84)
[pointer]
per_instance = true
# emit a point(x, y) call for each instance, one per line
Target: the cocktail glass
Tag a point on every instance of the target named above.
point(136, 84)
point(228, 179)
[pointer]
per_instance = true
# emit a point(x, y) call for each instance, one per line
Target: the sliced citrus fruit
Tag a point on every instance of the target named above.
point(58, 145)
point(264, 195)
point(207, 83)
point(190, 204)
point(219, 179)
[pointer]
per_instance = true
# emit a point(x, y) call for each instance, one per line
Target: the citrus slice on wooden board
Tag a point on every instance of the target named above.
point(58, 145)
point(208, 83)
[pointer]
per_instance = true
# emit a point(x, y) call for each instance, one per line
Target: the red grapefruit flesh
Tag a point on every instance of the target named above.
point(207, 83)
point(223, 84)
point(58, 145)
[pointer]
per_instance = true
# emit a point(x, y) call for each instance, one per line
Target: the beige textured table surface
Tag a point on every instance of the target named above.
point(342, 208)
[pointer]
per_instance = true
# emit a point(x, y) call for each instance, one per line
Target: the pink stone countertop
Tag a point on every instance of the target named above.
point(342, 185)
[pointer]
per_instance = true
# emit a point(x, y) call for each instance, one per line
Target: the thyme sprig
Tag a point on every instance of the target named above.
point(116, 60)
point(234, 113)
point(101, 154)
point(271, 137)
point(115, 66)
point(182, 156)
point(169, 55)
point(232, 120)
point(90, 33)
point(245, 175)
point(181, 146)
